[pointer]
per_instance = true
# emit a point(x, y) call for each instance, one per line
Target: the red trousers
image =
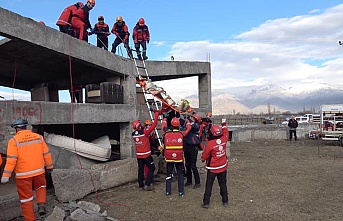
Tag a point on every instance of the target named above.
point(79, 25)
point(25, 192)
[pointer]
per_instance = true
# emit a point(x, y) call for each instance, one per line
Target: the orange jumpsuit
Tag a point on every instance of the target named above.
point(27, 154)
point(80, 21)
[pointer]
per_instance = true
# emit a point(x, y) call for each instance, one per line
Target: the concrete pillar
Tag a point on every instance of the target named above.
point(126, 143)
point(204, 88)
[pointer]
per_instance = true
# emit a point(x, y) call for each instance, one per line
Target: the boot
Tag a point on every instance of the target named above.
point(144, 56)
point(42, 208)
point(139, 57)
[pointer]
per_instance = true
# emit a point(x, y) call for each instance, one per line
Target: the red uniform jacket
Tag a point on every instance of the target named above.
point(141, 139)
point(121, 31)
point(141, 33)
point(102, 30)
point(83, 15)
point(65, 17)
point(215, 153)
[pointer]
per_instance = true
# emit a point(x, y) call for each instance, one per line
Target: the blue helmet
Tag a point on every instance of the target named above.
point(20, 123)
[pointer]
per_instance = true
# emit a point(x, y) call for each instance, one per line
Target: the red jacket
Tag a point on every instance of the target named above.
point(121, 30)
point(141, 33)
point(142, 141)
point(215, 152)
point(65, 17)
point(102, 30)
point(83, 15)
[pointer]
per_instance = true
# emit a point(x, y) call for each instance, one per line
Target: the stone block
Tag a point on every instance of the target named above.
point(9, 206)
point(57, 215)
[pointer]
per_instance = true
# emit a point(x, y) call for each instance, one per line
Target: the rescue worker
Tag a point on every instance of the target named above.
point(173, 141)
point(102, 32)
point(27, 154)
point(192, 145)
point(64, 21)
point(143, 152)
point(293, 124)
point(141, 37)
point(216, 162)
point(80, 20)
point(121, 30)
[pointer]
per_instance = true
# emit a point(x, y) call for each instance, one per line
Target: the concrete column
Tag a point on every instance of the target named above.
point(204, 88)
point(126, 143)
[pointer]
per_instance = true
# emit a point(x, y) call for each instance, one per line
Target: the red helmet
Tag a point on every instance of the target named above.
point(41, 22)
point(136, 124)
point(175, 122)
point(197, 117)
point(141, 22)
point(216, 131)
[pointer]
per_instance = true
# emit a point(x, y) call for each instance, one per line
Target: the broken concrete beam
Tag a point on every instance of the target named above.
point(77, 183)
point(9, 206)
point(116, 173)
point(57, 215)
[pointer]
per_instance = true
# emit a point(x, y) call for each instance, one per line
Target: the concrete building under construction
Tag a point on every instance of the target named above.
point(42, 61)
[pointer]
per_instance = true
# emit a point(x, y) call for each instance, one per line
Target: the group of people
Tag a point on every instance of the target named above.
point(182, 138)
point(74, 20)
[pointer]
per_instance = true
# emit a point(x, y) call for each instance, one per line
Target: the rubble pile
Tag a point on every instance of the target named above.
point(80, 211)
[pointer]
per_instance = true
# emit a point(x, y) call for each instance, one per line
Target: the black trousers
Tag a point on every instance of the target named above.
point(150, 164)
point(291, 132)
point(180, 170)
point(137, 46)
point(102, 42)
point(222, 184)
point(117, 42)
point(191, 156)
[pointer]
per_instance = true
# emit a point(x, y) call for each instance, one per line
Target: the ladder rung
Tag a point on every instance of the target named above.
point(140, 67)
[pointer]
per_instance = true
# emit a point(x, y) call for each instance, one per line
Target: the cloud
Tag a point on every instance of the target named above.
point(15, 95)
point(299, 52)
point(158, 43)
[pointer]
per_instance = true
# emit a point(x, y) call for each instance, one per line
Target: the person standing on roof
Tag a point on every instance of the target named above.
point(120, 30)
point(293, 124)
point(143, 152)
point(192, 145)
point(173, 141)
point(141, 37)
point(102, 32)
point(80, 20)
point(64, 22)
point(27, 155)
point(216, 162)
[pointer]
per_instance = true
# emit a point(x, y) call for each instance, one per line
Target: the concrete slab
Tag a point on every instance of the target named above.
point(75, 184)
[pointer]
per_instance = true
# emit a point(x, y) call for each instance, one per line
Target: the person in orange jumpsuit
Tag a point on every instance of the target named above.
point(80, 20)
point(120, 30)
point(102, 32)
point(64, 21)
point(27, 155)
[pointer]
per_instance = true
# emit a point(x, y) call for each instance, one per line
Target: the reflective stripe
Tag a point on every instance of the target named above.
point(64, 22)
point(174, 161)
point(141, 135)
point(26, 200)
point(30, 172)
point(39, 140)
point(144, 153)
point(44, 154)
point(168, 177)
point(49, 165)
point(173, 147)
point(41, 187)
point(214, 168)
point(7, 171)
point(13, 157)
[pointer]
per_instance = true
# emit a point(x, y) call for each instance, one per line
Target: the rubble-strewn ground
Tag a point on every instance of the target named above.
point(273, 180)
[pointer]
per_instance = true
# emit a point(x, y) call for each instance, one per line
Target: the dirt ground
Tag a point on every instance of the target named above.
point(272, 180)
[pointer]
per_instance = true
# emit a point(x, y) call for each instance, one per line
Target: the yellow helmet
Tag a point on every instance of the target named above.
point(119, 19)
point(91, 2)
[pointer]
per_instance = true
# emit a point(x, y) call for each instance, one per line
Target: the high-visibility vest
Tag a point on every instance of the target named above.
point(173, 146)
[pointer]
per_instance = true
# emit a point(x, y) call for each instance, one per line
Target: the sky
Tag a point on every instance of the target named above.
point(293, 44)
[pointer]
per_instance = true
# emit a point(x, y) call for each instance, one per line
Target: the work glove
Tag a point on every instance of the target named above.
point(124, 40)
point(49, 171)
point(223, 121)
point(4, 180)
point(148, 41)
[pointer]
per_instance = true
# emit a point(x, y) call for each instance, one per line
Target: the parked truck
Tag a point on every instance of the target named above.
point(331, 122)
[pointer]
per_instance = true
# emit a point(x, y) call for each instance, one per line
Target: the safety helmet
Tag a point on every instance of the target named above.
point(41, 22)
point(101, 18)
point(216, 131)
point(81, 5)
point(148, 122)
point(119, 19)
point(209, 114)
point(136, 124)
point(175, 122)
point(141, 22)
point(20, 123)
point(197, 117)
point(92, 2)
